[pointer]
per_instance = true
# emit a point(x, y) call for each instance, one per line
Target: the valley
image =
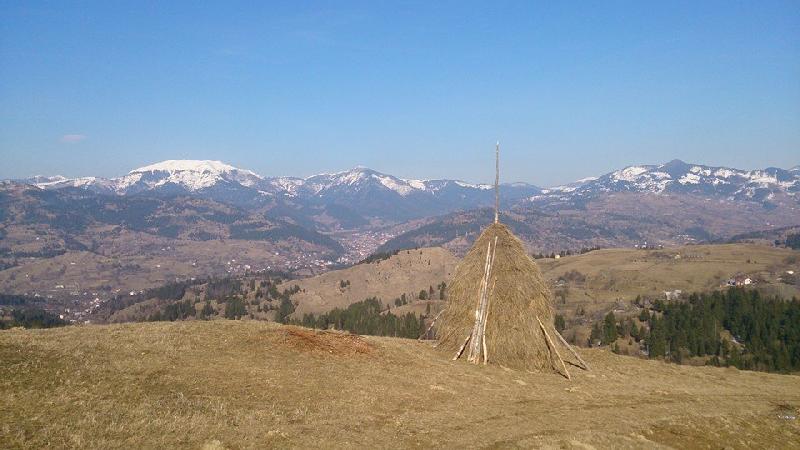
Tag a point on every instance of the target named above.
point(78, 243)
point(585, 287)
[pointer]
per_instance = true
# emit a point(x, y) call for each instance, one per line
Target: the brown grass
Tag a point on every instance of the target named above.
point(407, 273)
point(237, 384)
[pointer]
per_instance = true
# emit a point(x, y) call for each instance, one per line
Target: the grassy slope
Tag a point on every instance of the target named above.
point(256, 384)
point(611, 274)
point(408, 272)
point(626, 273)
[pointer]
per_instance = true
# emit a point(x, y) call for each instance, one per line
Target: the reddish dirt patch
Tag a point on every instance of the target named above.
point(331, 342)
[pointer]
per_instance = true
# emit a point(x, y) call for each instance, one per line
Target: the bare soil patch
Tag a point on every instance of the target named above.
point(331, 342)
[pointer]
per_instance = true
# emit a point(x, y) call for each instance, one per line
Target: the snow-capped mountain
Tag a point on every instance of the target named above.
point(190, 175)
point(376, 194)
point(94, 184)
point(361, 178)
point(170, 176)
point(678, 177)
point(371, 193)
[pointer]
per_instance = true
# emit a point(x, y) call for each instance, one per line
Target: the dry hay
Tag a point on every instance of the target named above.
point(517, 296)
point(330, 342)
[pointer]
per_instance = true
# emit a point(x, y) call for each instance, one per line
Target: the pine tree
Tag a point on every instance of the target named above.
point(609, 328)
point(560, 324)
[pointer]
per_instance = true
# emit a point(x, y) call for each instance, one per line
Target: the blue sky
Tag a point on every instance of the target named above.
point(416, 89)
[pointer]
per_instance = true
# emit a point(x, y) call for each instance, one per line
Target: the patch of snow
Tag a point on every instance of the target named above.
point(689, 178)
point(123, 183)
point(44, 181)
point(700, 171)
point(473, 186)
point(761, 177)
point(288, 184)
point(83, 181)
point(396, 185)
point(191, 165)
point(661, 175)
point(724, 173)
point(417, 184)
point(629, 173)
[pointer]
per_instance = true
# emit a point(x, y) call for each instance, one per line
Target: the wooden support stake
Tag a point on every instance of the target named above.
point(431, 326)
point(480, 311)
point(574, 353)
point(553, 347)
point(485, 354)
point(461, 350)
point(486, 319)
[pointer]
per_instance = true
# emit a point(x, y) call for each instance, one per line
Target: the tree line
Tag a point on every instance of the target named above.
point(737, 327)
point(368, 316)
point(30, 317)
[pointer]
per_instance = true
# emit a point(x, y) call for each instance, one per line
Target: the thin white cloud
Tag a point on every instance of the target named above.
point(72, 138)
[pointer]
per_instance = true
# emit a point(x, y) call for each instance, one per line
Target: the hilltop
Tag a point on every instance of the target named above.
point(404, 274)
point(237, 384)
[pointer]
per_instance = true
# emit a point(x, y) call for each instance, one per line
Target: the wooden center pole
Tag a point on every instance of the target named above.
point(497, 182)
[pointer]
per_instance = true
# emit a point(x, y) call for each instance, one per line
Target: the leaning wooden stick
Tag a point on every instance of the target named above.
point(484, 349)
point(574, 353)
point(461, 350)
point(431, 326)
point(553, 347)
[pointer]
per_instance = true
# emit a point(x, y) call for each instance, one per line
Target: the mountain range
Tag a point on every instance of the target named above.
point(372, 194)
point(674, 202)
point(678, 177)
point(177, 219)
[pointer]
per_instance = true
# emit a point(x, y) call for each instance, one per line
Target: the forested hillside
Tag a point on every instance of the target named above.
point(737, 327)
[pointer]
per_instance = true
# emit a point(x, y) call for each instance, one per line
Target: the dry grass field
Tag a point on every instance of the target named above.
point(608, 279)
point(248, 384)
point(408, 272)
point(626, 273)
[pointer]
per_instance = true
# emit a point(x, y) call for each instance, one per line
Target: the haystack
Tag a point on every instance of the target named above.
point(499, 310)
